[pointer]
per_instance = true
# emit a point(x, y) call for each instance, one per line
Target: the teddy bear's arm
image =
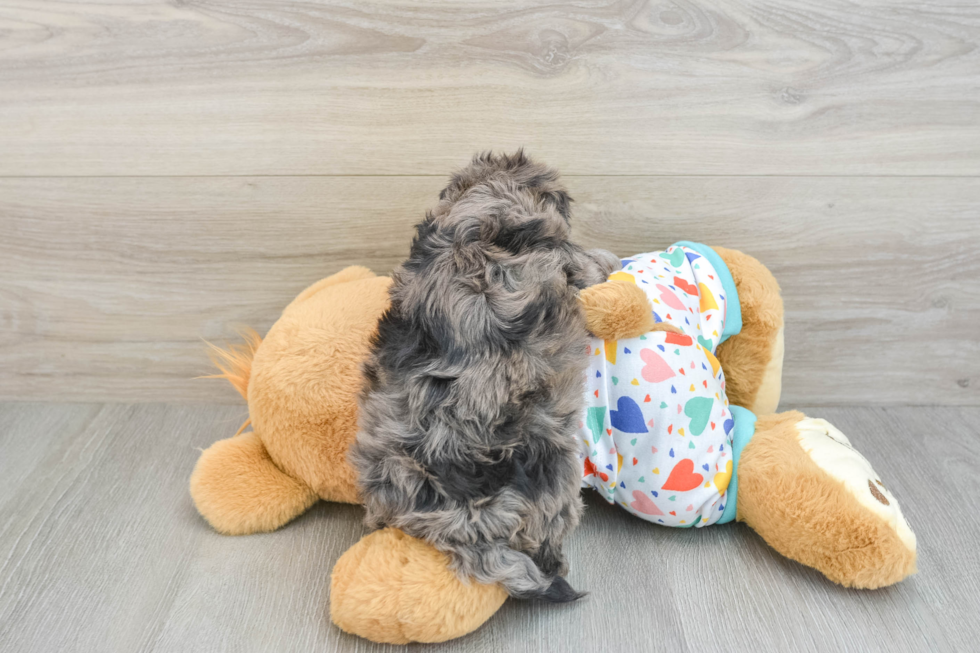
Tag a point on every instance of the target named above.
point(616, 310)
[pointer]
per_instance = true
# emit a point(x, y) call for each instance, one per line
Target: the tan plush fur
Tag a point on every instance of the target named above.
point(239, 490)
point(301, 383)
point(430, 605)
point(808, 516)
point(616, 310)
point(753, 357)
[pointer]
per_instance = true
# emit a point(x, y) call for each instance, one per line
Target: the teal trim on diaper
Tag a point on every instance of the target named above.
point(744, 429)
point(733, 314)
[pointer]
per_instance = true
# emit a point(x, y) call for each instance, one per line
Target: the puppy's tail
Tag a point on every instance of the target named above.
point(522, 578)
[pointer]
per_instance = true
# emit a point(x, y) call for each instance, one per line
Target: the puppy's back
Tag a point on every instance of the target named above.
point(474, 385)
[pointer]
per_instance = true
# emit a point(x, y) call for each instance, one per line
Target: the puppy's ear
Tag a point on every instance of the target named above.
point(561, 201)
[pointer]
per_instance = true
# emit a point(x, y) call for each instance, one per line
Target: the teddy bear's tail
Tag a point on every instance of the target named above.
point(235, 364)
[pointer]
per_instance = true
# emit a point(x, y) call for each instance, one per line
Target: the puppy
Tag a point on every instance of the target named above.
point(474, 385)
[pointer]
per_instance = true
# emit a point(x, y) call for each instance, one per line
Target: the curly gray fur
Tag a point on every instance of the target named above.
point(474, 386)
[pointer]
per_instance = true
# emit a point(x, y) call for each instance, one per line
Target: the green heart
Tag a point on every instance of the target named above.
point(690, 445)
point(705, 343)
point(677, 351)
point(595, 420)
point(633, 442)
point(643, 337)
point(663, 404)
point(673, 498)
point(699, 410)
point(643, 479)
point(615, 381)
point(676, 257)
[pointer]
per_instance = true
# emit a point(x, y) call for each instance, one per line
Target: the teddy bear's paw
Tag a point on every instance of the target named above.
point(396, 589)
point(239, 490)
point(832, 452)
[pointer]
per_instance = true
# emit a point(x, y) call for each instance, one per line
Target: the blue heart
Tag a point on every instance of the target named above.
point(691, 256)
point(654, 493)
point(671, 453)
point(657, 318)
point(661, 348)
point(628, 418)
point(728, 426)
point(673, 390)
point(622, 485)
point(609, 467)
point(626, 350)
point(598, 374)
point(627, 261)
point(706, 468)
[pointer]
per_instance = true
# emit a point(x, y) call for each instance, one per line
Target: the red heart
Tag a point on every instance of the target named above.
point(689, 288)
point(647, 400)
point(609, 431)
point(670, 428)
point(635, 461)
point(677, 338)
point(590, 469)
point(596, 393)
point(712, 426)
point(683, 478)
point(673, 513)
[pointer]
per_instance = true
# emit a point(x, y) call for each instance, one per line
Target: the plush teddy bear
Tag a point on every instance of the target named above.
point(685, 373)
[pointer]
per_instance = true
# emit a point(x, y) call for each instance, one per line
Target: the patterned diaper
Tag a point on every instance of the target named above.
point(658, 433)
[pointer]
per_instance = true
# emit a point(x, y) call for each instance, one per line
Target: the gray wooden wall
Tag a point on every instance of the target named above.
point(170, 171)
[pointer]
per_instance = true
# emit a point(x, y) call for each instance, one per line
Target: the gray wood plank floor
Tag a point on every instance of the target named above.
point(101, 550)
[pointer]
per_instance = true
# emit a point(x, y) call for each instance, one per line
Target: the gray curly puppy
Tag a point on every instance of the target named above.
point(474, 386)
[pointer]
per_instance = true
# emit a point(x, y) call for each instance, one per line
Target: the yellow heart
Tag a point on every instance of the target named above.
point(656, 470)
point(635, 382)
point(622, 276)
point(681, 431)
point(722, 479)
point(611, 351)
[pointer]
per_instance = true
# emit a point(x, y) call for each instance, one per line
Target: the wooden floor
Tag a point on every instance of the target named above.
point(101, 550)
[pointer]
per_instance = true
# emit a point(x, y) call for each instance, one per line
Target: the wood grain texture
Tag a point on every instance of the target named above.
point(108, 286)
point(218, 87)
point(101, 549)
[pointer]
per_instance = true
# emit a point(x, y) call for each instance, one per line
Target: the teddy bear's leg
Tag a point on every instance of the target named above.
point(393, 588)
point(753, 358)
point(239, 490)
point(813, 498)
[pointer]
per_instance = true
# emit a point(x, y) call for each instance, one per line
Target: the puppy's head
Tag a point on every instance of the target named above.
point(506, 200)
